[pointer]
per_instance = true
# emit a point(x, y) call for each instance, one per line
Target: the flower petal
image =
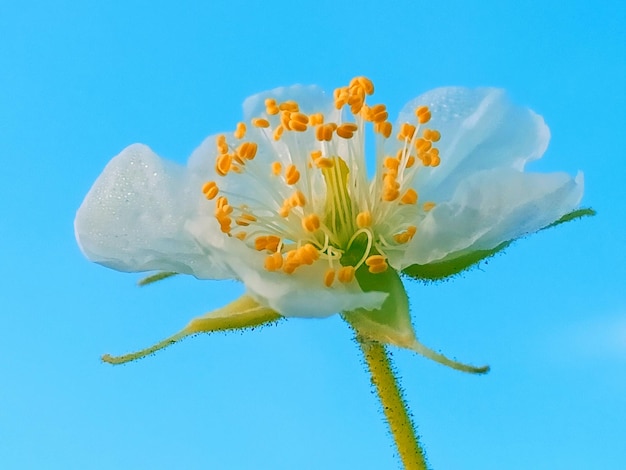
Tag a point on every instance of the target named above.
point(133, 218)
point(300, 294)
point(480, 129)
point(489, 208)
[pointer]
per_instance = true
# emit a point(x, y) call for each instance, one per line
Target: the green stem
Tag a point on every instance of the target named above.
point(393, 404)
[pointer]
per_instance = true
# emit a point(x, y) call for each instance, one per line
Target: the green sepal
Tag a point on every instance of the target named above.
point(447, 268)
point(155, 278)
point(441, 270)
point(243, 313)
point(391, 324)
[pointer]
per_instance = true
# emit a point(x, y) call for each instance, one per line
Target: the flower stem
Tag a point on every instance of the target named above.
point(393, 404)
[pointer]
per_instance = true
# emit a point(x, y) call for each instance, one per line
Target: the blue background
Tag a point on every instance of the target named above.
point(79, 81)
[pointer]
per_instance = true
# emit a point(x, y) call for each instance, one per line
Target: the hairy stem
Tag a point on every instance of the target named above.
point(393, 404)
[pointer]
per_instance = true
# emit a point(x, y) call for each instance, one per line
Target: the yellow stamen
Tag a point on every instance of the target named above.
point(428, 206)
point(270, 106)
point(277, 167)
point(292, 175)
point(210, 189)
point(278, 132)
point(240, 132)
point(364, 219)
point(274, 262)
point(384, 128)
point(329, 277)
point(298, 199)
point(247, 150)
point(223, 164)
point(290, 106)
point(409, 197)
point(345, 274)
point(311, 223)
point(346, 130)
point(260, 122)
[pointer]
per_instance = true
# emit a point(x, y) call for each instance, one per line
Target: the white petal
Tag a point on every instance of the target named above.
point(489, 208)
point(134, 217)
point(301, 294)
point(480, 130)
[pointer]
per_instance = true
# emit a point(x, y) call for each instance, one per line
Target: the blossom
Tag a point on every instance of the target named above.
point(285, 204)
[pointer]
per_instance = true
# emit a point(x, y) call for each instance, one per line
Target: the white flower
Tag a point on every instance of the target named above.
point(289, 210)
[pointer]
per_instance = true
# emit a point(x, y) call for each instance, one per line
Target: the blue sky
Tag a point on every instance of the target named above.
point(79, 81)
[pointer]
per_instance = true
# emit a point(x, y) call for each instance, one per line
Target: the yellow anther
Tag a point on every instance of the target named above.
point(224, 209)
point(223, 164)
point(225, 224)
point(245, 219)
point(429, 205)
point(311, 223)
point(378, 113)
point(366, 84)
point(240, 132)
point(324, 163)
point(290, 106)
point(341, 97)
point(210, 189)
point(247, 150)
point(274, 262)
point(432, 135)
point(391, 163)
point(410, 161)
point(222, 146)
point(272, 243)
point(345, 274)
point(422, 145)
point(221, 202)
point(292, 175)
point(308, 254)
point(278, 132)
point(329, 277)
point(241, 235)
point(364, 219)
point(390, 194)
point(284, 211)
point(384, 128)
point(434, 160)
point(266, 242)
point(260, 243)
point(285, 119)
point(378, 268)
point(298, 199)
point(277, 167)
point(324, 132)
point(315, 119)
point(270, 106)
point(346, 130)
point(297, 126)
point(300, 117)
point(315, 154)
point(423, 114)
point(375, 260)
point(409, 197)
point(406, 131)
point(260, 122)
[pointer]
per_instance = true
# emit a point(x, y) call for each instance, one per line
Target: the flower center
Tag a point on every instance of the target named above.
point(297, 187)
